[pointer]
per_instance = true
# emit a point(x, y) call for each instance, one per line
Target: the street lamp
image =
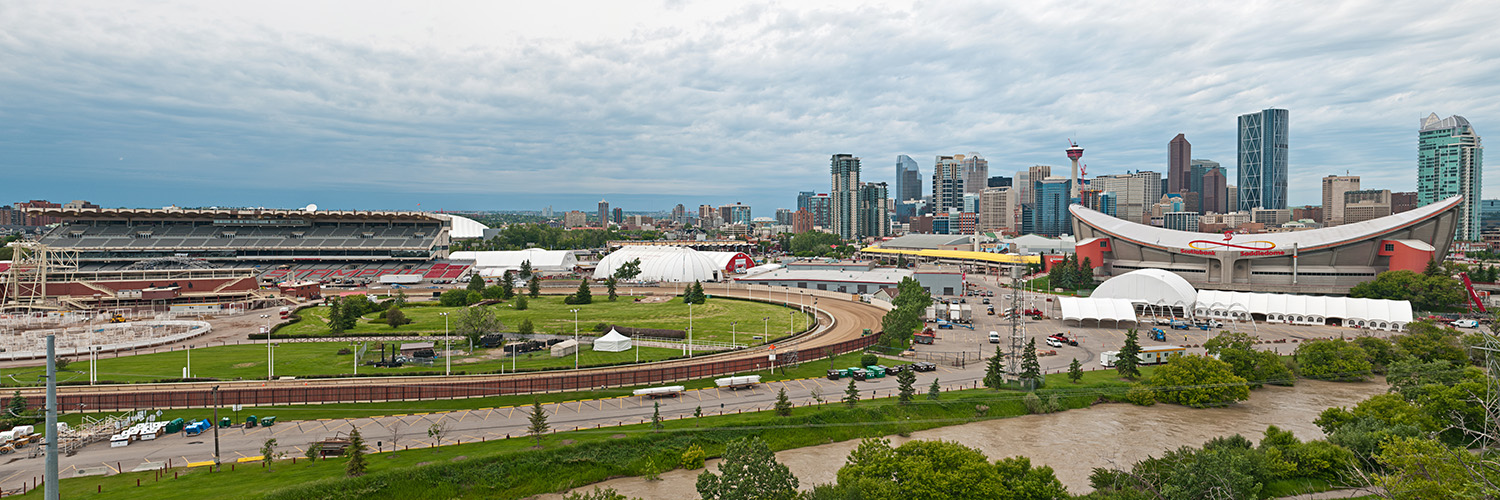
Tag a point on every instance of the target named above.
point(188, 372)
point(575, 338)
point(766, 324)
point(447, 360)
point(690, 330)
point(267, 331)
point(732, 335)
point(791, 323)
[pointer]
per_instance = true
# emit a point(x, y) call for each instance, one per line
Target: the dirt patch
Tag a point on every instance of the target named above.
point(419, 464)
point(617, 436)
point(457, 458)
point(566, 442)
point(654, 299)
point(244, 365)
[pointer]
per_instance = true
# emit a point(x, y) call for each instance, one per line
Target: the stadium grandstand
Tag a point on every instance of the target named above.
point(274, 244)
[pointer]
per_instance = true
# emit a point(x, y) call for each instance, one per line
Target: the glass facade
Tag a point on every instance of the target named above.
point(1450, 162)
point(1263, 159)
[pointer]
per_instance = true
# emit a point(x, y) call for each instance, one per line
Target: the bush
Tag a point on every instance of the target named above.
point(1140, 395)
point(1199, 382)
point(868, 359)
point(692, 458)
point(1333, 360)
point(1034, 404)
point(601, 327)
point(526, 328)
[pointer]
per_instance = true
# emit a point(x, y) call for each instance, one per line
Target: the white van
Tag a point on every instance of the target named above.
point(994, 337)
point(1465, 323)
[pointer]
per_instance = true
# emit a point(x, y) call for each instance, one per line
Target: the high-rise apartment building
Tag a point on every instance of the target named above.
point(1263, 159)
point(1401, 202)
point(1363, 205)
point(1179, 167)
point(1450, 162)
point(603, 214)
point(844, 169)
point(784, 216)
point(1489, 213)
point(947, 184)
point(679, 213)
point(908, 179)
point(738, 213)
point(802, 221)
point(1231, 199)
point(804, 200)
point(1181, 221)
point(976, 172)
point(822, 209)
point(618, 216)
point(996, 209)
point(575, 218)
point(873, 212)
point(706, 215)
point(1334, 187)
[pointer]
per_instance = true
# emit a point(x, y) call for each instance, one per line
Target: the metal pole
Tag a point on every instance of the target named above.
point(189, 372)
point(575, 339)
point(447, 359)
point(690, 330)
point(51, 480)
point(733, 337)
point(268, 347)
point(215, 423)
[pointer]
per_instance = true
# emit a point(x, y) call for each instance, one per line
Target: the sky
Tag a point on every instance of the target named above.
point(521, 105)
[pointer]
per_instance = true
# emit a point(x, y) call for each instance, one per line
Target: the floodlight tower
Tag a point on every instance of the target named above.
point(1074, 153)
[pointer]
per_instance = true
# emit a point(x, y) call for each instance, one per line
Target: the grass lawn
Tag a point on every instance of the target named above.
point(1289, 487)
point(301, 359)
point(548, 314)
point(357, 410)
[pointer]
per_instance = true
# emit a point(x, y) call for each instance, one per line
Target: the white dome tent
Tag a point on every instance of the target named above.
point(612, 342)
point(662, 263)
point(1150, 287)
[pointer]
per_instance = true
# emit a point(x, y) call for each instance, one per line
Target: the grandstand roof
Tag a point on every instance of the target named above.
point(926, 241)
point(237, 213)
point(464, 227)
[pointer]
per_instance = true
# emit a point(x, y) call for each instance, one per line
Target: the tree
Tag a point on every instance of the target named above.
point(851, 394)
point(1432, 290)
point(1427, 342)
point(526, 273)
point(493, 292)
point(1256, 367)
point(534, 287)
point(395, 318)
point(783, 404)
point(507, 287)
point(1127, 365)
point(628, 270)
point(942, 470)
point(314, 451)
point(748, 471)
point(900, 323)
point(457, 297)
point(526, 328)
point(583, 295)
point(1031, 370)
point(610, 283)
point(17, 405)
point(904, 386)
point(521, 303)
point(994, 370)
point(694, 294)
point(400, 300)
point(1332, 360)
point(1421, 468)
point(1075, 371)
point(268, 453)
point(474, 322)
point(538, 420)
point(476, 283)
point(1198, 382)
point(436, 431)
point(934, 391)
point(356, 451)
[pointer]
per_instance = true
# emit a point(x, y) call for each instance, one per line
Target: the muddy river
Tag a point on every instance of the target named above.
point(1073, 442)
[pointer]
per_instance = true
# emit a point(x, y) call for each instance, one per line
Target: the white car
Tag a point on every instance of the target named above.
point(1054, 342)
point(994, 337)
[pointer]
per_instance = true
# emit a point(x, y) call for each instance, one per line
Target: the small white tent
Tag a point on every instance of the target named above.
point(612, 342)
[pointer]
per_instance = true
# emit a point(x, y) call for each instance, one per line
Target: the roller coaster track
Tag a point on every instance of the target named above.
point(840, 327)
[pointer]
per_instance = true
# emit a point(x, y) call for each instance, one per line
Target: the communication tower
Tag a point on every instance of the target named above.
point(1017, 324)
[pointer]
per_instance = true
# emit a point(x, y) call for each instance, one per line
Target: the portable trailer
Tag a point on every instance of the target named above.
point(670, 391)
point(737, 383)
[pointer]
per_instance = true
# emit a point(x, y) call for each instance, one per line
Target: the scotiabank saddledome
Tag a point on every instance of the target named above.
point(1320, 261)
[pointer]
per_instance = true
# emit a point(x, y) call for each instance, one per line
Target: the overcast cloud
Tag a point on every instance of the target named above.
point(649, 104)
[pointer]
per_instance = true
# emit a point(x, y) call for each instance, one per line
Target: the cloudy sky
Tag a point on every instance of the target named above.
point(519, 105)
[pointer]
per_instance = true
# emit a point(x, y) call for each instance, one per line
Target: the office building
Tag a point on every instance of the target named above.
point(1179, 167)
point(738, 213)
point(873, 211)
point(1334, 187)
point(575, 218)
point(845, 195)
point(976, 172)
point(1263, 159)
point(679, 213)
point(996, 209)
point(784, 216)
point(1271, 216)
point(1363, 205)
point(1401, 202)
point(999, 181)
point(1053, 197)
point(603, 214)
point(1450, 162)
point(947, 184)
point(971, 202)
point(1181, 221)
point(1212, 185)
point(618, 215)
point(908, 179)
point(1231, 199)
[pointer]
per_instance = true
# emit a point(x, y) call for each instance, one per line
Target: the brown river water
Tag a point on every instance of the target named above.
point(1073, 442)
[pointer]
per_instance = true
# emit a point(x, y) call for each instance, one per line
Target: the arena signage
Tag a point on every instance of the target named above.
point(1258, 248)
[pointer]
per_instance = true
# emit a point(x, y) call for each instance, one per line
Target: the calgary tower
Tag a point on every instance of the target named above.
point(1074, 153)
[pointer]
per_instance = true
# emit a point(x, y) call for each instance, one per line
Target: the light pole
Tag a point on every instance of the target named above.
point(690, 330)
point(447, 360)
point(575, 338)
point(188, 372)
point(791, 323)
point(732, 335)
point(267, 330)
point(766, 325)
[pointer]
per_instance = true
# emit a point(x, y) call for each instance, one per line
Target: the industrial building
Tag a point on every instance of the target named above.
point(858, 277)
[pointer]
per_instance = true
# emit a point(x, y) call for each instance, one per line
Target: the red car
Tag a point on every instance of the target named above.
point(1063, 339)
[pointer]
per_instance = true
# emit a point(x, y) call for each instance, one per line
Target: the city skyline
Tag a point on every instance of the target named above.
point(436, 110)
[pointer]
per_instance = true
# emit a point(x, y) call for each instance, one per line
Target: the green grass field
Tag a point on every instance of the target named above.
point(548, 314)
point(302, 359)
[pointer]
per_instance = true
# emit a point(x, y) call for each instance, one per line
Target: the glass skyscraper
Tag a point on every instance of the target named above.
point(844, 170)
point(1052, 200)
point(1262, 159)
point(1450, 162)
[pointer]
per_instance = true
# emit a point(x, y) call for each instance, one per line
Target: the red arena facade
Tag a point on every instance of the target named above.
point(1316, 261)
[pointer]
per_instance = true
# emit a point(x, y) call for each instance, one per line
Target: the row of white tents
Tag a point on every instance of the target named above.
point(658, 263)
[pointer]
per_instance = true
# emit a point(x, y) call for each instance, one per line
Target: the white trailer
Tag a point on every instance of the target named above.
point(1149, 355)
point(670, 391)
point(737, 382)
point(400, 279)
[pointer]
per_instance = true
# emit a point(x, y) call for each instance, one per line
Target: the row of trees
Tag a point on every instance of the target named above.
point(901, 323)
point(1071, 274)
point(816, 244)
point(1431, 291)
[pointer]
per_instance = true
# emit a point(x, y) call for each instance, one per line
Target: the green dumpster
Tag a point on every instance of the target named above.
point(250, 421)
point(876, 371)
point(225, 422)
point(175, 426)
point(268, 421)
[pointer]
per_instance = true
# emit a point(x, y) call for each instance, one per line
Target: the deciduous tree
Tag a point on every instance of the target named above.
point(748, 471)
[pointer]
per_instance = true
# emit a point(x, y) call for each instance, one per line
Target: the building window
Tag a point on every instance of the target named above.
point(1390, 247)
point(801, 285)
point(843, 288)
point(947, 290)
point(862, 289)
point(822, 286)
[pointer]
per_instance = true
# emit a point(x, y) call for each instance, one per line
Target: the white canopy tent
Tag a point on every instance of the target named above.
point(1097, 309)
point(612, 342)
point(1375, 314)
point(497, 262)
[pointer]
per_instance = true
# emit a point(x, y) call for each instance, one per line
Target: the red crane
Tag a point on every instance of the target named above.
point(1473, 297)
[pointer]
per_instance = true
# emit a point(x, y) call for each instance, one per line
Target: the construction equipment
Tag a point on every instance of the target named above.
point(116, 318)
point(1158, 335)
point(1473, 296)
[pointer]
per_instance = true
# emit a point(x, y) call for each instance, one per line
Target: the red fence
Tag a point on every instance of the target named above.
point(436, 389)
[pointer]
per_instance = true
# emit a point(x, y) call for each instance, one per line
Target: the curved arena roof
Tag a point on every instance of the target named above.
point(1148, 286)
point(464, 227)
point(662, 263)
point(1311, 239)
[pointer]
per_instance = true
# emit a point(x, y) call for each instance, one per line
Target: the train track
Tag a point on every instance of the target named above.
point(840, 321)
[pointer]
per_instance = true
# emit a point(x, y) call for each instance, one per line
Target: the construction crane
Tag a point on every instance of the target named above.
point(1475, 303)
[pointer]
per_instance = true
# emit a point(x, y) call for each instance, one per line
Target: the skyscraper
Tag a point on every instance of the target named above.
point(804, 200)
point(996, 206)
point(1179, 165)
point(844, 169)
point(1214, 190)
point(784, 216)
point(947, 184)
point(679, 213)
point(1334, 187)
point(821, 206)
point(976, 172)
point(603, 214)
point(1450, 161)
point(908, 179)
point(1262, 159)
point(1052, 199)
point(873, 211)
point(1075, 153)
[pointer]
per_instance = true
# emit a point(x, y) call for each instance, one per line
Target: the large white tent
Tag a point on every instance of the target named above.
point(1377, 314)
point(662, 263)
point(1097, 309)
point(612, 342)
point(495, 263)
point(1149, 286)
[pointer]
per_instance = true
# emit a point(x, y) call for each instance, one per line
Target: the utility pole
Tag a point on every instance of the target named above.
point(217, 466)
point(51, 492)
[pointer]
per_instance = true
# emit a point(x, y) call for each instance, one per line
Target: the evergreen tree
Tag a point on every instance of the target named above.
point(476, 283)
point(904, 382)
point(525, 328)
point(783, 404)
point(17, 405)
point(1031, 370)
point(534, 286)
point(934, 391)
point(613, 294)
point(656, 417)
point(538, 420)
point(400, 300)
point(994, 371)
point(1127, 365)
point(356, 451)
point(526, 273)
point(583, 295)
point(851, 395)
point(522, 303)
point(1433, 268)
point(335, 315)
point(507, 288)
point(1075, 371)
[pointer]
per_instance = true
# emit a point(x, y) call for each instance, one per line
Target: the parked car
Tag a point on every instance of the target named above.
point(1063, 339)
point(1053, 342)
point(994, 337)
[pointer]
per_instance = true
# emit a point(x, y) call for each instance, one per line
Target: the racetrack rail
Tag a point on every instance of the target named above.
point(841, 323)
